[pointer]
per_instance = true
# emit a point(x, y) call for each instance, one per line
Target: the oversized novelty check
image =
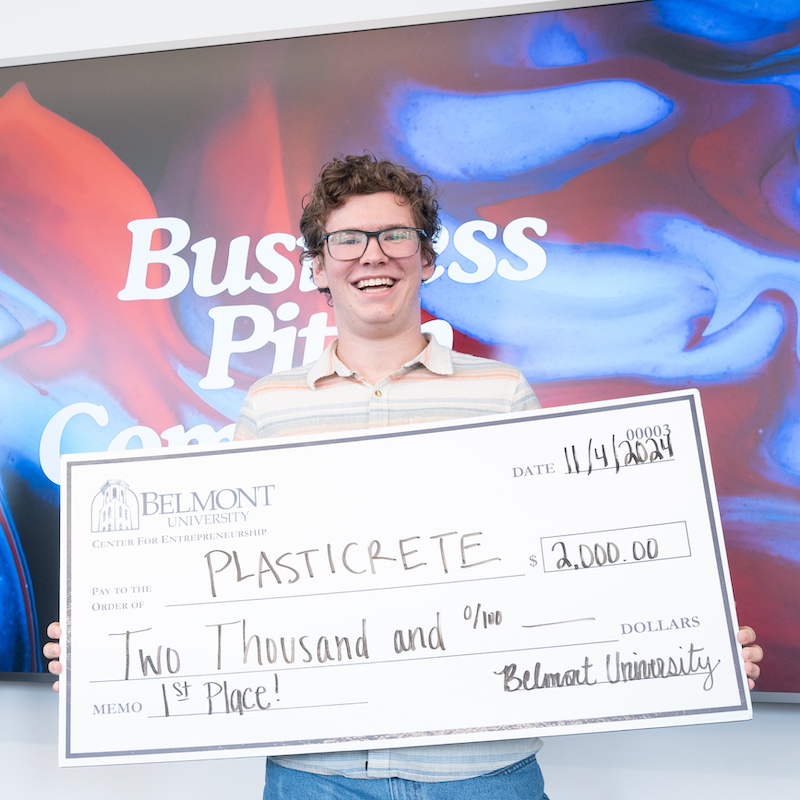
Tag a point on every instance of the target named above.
point(556, 572)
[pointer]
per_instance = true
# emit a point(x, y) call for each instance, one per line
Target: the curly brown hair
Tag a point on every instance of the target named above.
point(342, 178)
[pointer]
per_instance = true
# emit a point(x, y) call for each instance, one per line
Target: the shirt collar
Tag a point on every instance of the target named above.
point(435, 357)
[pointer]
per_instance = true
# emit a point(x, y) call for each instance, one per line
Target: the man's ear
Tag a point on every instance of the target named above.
point(318, 272)
point(428, 268)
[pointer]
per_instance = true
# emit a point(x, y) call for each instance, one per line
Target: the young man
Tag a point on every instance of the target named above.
point(369, 227)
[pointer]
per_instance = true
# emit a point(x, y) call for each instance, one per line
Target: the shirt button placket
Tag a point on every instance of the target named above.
point(379, 406)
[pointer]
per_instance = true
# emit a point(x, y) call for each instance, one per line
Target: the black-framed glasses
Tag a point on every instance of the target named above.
point(394, 242)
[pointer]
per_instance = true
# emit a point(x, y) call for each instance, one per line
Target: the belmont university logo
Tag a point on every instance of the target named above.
point(115, 508)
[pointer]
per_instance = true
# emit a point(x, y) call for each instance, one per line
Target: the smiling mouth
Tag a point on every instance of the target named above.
point(372, 284)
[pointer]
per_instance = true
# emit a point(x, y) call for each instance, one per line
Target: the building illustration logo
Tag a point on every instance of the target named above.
point(115, 508)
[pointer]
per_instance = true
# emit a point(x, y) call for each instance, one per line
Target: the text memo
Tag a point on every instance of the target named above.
point(559, 571)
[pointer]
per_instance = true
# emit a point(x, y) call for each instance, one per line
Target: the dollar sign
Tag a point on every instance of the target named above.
point(533, 561)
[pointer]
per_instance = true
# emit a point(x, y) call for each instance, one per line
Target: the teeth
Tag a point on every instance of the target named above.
point(369, 283)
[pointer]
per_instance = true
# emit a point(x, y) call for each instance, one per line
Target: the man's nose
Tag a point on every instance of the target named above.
point(373, 252)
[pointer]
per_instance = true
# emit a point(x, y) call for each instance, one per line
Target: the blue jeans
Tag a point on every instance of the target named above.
point(520, 781)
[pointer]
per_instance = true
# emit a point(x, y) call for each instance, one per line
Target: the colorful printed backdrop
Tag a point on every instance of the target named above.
point(622, 216)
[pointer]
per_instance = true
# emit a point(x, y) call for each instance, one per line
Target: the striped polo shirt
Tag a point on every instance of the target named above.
point(326, 396)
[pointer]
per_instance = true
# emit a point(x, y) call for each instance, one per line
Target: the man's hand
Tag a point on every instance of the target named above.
point(52, 650)
point(752, 654)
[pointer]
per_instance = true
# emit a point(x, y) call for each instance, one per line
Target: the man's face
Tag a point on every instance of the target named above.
point(373, 295)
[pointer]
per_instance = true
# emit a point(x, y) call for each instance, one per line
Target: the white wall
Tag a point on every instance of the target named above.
point(46, 30)
point(757, 758)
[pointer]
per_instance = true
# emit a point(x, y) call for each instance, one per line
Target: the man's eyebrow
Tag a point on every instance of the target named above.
point(386, 227)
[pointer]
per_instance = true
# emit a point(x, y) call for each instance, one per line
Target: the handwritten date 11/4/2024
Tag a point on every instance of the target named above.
point(640, 446)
